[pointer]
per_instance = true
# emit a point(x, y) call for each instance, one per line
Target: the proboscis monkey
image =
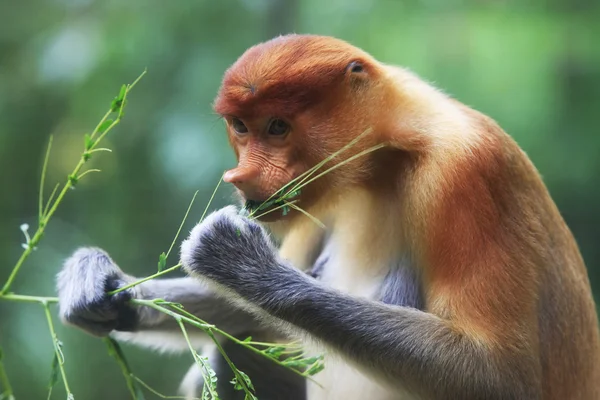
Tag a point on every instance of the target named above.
point(444, 271)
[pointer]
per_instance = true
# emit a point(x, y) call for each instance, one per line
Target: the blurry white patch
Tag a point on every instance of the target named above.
point(71, 54)
point(165, 342)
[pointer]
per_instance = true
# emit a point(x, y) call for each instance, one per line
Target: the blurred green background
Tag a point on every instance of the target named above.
point(533, 66)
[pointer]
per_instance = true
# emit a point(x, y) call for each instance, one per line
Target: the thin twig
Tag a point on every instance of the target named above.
point(211, 198)
point(309, 215)
point(28, 299)
point(57, 350)
point(70, 182)
point(115, 350)
point(156, 275)
point(157, 393)
point(362, 153)
point(43, 180)
point(203, 325)
point(208, 384)
point(8, 390)
point(181, 225)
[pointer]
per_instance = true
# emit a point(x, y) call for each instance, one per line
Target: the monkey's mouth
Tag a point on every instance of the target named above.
point(276, 205)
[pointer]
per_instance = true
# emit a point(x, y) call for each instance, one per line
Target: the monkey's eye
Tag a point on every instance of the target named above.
point(238, 125)
point(355, 67)
point(278, 127)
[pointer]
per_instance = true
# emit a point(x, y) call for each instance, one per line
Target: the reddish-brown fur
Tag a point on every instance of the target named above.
point(498, 261)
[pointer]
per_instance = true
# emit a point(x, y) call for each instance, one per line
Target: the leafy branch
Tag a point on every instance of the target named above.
point(91, 145)
point(288, 356)
point(45, 213)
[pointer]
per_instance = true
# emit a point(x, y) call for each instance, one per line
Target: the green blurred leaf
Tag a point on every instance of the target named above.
point(102, 128)
point(162, 261)
point(89, 142)
point(53, 373)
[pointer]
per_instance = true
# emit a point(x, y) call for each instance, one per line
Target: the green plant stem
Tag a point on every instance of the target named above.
point(204, 326)
point(57, 350)
point(239, 378)
point(36, 237)
point(50, 198)
point(152, 304)
point(28, 299)
point(272, 209)
point(97, 128)
point(181, 225)
point(247, 345)
point(43, 180)
point(362, 153)
point(68, 185)
point(286, 190)
point(306, 213)
point(115, 352)
point(157, 393)
point(40, 231)
point(148, 278)
point(197, 359)
point(8, 390)
point(212, 196)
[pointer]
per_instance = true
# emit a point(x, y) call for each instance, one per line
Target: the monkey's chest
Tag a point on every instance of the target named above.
point(391, 281)
point(342, 274)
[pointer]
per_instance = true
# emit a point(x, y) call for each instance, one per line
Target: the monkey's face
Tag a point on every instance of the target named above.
point(268, 158)
point(290, 103)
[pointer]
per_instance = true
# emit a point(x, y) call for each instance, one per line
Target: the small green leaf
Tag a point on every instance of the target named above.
point(247, 380)
point(104, 126)
point(238, 232)
point(315, 369)
point(162, 302)
point(162, 261)
point(248, 339)
point(122, 92)
point(73, 180)
point(53, 373)
point(238, 386)
point(89, 142)
point(209, 390)
point(275, 351)
point(117, 102)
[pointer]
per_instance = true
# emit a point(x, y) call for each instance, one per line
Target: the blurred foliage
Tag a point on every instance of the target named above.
point(533, 66)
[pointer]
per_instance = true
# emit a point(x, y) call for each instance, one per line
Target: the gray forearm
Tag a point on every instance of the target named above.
point(403, 346)
point(198, 299)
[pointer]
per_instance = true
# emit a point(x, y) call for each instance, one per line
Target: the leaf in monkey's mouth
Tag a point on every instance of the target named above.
point(256, 206)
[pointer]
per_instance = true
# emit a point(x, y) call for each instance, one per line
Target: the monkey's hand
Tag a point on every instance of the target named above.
point(232, 251)
point(83, 284)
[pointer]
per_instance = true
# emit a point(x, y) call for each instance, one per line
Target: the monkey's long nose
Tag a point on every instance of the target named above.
point(244, 178)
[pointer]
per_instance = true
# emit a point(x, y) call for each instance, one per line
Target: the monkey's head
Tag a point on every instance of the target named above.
point(291, 102)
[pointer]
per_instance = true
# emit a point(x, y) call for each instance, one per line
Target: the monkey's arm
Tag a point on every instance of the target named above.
point(89, 273)
point(403, 347)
